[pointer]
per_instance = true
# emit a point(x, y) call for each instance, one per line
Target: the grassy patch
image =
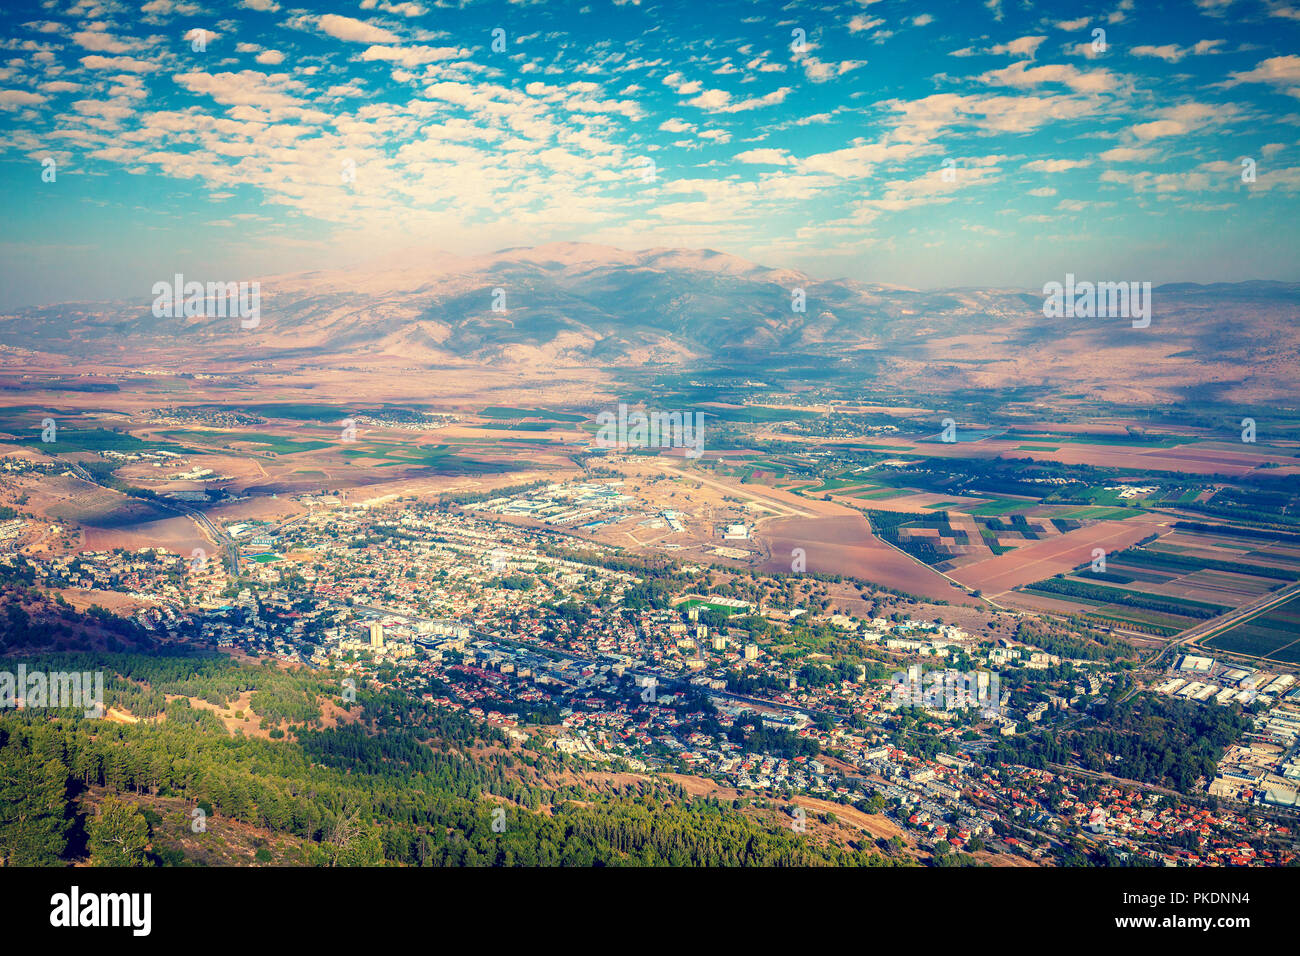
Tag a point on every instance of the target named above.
point(503, 411)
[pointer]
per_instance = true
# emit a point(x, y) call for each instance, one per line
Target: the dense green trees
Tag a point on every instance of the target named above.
point(34, 811)
point(118, 835)
point(1148, 738)
point(412, 784)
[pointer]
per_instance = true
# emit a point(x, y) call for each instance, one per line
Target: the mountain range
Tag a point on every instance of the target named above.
point(583, 305)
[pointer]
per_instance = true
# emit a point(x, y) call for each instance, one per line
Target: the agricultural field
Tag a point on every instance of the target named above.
point(263, 442)
point(499, 412)
point(1001, 506)
point(1274, 635)
point(962, 537)
point(1167, 585)
point(846, 544)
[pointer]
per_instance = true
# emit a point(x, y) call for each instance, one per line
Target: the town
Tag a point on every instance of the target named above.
point(564, 644)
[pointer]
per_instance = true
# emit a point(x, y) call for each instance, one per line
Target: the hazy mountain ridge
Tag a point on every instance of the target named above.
point(578, 304)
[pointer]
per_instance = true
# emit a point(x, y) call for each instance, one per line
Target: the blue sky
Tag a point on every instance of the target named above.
point(812, 135)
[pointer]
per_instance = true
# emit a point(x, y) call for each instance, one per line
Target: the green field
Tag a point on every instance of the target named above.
point(1274, 634)
point(93, 439)
point(1154, 441)
point(281, 445)
point(1103, 514)
point(1100, 495)
point(276, 443)
point(299, 412)
point(501, 411)
point(720, 608)
point(882, 494)
point(999, 506)
point(836, 484)
point(442, 457)
point(519, 426)
point(754, 414)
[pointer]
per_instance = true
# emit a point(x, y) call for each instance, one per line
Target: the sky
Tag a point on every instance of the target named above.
point(926, 144)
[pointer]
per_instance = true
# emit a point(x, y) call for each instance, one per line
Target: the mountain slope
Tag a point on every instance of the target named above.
point(583, 305)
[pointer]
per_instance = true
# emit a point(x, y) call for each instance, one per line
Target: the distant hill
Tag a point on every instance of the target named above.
point(582, 305)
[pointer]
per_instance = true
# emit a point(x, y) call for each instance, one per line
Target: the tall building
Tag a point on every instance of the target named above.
point(377, 635)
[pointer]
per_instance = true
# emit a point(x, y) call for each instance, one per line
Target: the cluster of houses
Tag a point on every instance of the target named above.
point(511, 632)
point(1153, 826)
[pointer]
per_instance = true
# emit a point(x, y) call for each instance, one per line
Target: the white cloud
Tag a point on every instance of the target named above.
point(120, 63)
point(200, 33)
point(1023, 76)
point(924, 119)
point(1024, 46)
point(15, 99)
point(1172, 52)
point(1276, 71)
point(719, 101)
point(354, 31)
point(413, 56)
point(819, 71)
point(1057, 165)
point(101, 42)
point(104, 109)
point(860, 23)
point(770, 157)
point(247, 88)
point(859, 159)
point(1127, 154)
point(1195, 181)
point(675, 126)
point(1184, 118)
